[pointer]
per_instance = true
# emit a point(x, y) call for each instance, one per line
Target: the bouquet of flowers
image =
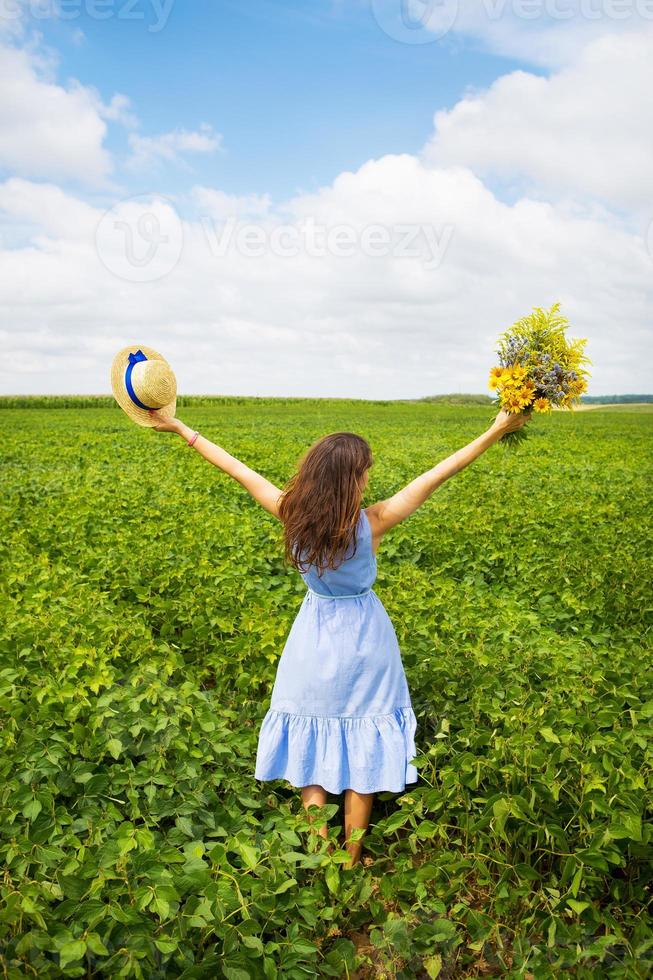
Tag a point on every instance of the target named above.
point(538, 369)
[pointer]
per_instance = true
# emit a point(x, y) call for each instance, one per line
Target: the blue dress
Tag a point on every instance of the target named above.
point(340, 715)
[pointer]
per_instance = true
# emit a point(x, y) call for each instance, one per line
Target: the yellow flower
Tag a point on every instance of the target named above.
point(527, 393)
point(518, 372)
point(541, 405)
point(520, 395)
point(496, 377)
point(576, 389)
point(511, 402)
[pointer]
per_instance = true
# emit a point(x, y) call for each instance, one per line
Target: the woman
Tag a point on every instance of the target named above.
point(340, 716)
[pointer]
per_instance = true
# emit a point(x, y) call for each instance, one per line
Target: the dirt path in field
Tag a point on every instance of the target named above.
point(618, 406)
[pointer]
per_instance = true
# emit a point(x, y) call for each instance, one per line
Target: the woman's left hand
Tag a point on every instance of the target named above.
point(165, 424)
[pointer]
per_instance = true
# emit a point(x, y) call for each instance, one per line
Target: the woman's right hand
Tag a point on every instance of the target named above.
point(166, 424)
point(510, 422)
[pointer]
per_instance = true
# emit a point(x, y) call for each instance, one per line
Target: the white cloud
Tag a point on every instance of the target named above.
point(383, 326)
point(548, 33)
point(215, 203)
point(12, 18)
point(583, 133)
point(57, 132)
point(118, 110)
point(316, 312)
point(170, 147)
point(44, 210)
point(46, 129)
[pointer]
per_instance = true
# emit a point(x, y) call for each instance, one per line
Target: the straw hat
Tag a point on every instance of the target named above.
point(142, 379)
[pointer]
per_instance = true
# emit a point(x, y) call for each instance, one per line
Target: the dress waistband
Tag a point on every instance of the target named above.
point(353, 595)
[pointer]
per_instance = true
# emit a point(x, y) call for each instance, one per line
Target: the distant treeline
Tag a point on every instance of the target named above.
point(206, 401)
point(589, 399)
point(459, 399)
point(183, 401)
point(615, 399)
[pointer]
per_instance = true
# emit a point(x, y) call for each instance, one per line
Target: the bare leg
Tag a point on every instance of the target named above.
point(317, 795)
point(358, 807)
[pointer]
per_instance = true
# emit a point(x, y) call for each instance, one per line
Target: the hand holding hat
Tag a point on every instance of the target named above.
point(163, 424)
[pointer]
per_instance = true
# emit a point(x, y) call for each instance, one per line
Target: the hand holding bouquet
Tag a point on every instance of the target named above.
point(538, 367)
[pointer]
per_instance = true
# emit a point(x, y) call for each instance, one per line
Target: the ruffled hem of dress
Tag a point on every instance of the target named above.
point(367, 754)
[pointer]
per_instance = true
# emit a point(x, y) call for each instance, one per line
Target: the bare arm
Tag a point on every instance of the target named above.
point(261, 489)
point(386, 513)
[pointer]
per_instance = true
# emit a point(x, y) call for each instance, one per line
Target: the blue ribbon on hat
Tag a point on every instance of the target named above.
point(134, 359)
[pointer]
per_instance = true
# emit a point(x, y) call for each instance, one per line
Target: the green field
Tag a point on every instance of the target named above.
point(144, 605)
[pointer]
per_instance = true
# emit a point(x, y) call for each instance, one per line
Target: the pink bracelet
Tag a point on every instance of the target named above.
point(193, 438)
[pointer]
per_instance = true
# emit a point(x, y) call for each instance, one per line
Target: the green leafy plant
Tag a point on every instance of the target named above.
point(137, 656)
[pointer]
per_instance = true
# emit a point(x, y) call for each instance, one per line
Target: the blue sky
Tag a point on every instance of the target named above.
point(504, 160)
point(299, 91)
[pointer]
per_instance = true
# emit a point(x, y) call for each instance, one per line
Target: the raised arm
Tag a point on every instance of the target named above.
point(386, 513)
point(261, 489)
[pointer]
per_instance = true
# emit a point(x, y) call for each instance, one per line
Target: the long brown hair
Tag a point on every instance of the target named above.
point(321, 502)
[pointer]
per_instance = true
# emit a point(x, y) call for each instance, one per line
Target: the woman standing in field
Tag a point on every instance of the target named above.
point(340, 716)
